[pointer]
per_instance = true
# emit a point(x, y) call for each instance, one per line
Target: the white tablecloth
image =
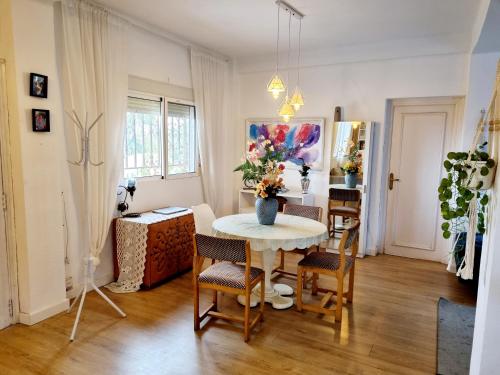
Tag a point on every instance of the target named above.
point(289, 232)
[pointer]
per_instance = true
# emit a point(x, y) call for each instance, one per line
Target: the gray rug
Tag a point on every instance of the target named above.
point(455, 333)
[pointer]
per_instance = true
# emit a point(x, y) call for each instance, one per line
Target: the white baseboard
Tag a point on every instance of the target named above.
point(42, 314)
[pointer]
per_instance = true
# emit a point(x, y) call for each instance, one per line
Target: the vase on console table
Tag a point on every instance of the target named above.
point(266, 210)
point(351, 180)
point(304, 183)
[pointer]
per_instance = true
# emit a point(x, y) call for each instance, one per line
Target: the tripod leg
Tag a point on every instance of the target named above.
point(106, 298)
point(75, 300)
point(77, 319)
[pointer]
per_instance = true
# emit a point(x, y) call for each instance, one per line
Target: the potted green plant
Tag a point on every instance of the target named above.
point(468, 176)
point(304, 172)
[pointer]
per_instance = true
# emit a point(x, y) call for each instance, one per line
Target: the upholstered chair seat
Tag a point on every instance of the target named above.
point(325, 261)
point(228, 274)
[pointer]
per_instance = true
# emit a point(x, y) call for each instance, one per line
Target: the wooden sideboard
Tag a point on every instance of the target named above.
point(169, 249)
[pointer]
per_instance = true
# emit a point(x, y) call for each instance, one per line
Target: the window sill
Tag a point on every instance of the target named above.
point(181, 176)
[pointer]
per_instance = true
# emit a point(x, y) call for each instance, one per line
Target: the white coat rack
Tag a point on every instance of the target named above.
point(89, 270)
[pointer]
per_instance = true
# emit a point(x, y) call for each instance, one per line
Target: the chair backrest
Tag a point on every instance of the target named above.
point(203, 219)
point(345, 195)
point(349, 240)
point(221, 248)
point(310, 212)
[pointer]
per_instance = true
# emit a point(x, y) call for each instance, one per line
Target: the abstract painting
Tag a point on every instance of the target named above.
point(298, 139)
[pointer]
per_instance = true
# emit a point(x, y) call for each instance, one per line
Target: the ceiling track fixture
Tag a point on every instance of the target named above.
point(276, 85)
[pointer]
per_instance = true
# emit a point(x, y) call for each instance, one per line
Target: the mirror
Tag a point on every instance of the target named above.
point(346, 136)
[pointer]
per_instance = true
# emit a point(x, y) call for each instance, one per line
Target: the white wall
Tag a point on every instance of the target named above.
point(361, 89)
point(485, 358)
point(42, 157)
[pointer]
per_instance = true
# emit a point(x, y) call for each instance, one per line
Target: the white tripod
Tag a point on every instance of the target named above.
point(89, 260)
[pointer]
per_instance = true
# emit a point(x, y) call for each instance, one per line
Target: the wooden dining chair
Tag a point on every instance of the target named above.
point(310, 212)
point(338, 265)
point(232, 274)
point(345, 203)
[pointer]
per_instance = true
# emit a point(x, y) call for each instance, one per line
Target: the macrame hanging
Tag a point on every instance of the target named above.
point(490, 123)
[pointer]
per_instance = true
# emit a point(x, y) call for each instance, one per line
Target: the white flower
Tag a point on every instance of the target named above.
point(271, 148)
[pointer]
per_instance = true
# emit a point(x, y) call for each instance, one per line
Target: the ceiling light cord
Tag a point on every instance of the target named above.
point(298, 55)
point(289, 48)
point(278, 41)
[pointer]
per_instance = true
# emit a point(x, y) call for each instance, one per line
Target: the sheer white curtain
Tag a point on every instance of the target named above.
point(212, 96)
point(95, 79)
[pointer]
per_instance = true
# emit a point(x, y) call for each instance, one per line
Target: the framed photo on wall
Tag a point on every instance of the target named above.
point(38, 85)
point(40, 120)
point(299, 139)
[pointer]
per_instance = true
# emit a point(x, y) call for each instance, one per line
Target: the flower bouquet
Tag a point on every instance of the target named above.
point(352, 166)
point(263, 167)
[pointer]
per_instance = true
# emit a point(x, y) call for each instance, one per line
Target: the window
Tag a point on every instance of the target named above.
point(181, 138)
point(159, 146)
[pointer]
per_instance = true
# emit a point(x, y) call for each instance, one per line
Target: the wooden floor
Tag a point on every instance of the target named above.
point(390, 329)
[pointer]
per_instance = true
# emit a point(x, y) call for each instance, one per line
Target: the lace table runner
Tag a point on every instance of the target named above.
point(131, 246)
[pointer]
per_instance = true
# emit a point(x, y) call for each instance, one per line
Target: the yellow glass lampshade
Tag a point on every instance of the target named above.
point(286, 111)
point(297, 100)
point(276, 86)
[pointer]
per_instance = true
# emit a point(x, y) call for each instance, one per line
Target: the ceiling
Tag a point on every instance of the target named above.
point(239, 29)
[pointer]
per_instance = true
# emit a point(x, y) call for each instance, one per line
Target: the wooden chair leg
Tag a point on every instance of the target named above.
point(247, 316)
point(262, 299)
point(314, 290)
point(340, 296)
point(330, 231)
point(300, 280)
point(214, 300)
point(282, 260)
point(196, 306)
point(350, 292)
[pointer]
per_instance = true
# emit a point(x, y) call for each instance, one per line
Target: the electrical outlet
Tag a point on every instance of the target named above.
point(69, 283)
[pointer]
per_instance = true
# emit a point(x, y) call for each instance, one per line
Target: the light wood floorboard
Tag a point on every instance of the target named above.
point(389, 329)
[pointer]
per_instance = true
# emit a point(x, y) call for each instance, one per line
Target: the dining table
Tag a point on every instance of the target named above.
point(289, 232)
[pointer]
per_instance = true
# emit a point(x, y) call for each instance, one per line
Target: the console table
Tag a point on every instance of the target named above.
point(151, 249)
point(247, 199)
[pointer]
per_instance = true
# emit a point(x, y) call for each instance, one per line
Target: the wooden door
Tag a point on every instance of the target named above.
point(420, 139)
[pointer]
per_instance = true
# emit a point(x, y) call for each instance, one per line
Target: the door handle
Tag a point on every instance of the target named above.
point(392, 180)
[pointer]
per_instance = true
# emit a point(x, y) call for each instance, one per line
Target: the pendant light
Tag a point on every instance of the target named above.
point(297, 100)
point(286, 111)
point(276, 85)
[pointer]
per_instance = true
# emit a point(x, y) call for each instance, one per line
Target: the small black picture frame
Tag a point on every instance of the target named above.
point(39, 85)
point(40, 119)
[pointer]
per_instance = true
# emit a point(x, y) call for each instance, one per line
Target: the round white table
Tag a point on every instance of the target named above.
point(288, 233)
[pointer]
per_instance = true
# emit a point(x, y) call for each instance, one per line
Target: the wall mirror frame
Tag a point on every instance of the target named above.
point(346, 136)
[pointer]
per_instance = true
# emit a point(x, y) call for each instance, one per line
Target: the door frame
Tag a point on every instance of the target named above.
point(8, 190)
point(455, 141)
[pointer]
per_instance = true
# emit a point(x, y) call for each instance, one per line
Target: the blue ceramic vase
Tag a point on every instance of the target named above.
point(266, 209)
point(351, 180)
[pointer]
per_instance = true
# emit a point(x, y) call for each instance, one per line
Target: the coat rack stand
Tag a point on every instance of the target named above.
point(89, 261)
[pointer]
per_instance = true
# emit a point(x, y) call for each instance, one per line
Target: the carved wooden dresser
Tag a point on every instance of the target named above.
point(164, 243)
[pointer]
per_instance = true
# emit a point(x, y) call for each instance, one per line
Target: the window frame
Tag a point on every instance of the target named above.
point(196, 172)
point(164, 133)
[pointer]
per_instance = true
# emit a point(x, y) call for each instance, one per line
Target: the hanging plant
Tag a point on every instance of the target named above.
point(468, 176)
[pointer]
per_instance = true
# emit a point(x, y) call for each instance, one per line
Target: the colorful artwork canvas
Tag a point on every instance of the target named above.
point(299, 139)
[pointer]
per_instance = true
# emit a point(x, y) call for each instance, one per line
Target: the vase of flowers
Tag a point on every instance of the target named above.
point(266, 204)
point(263, 167)
point(304, 181)
point(352, 167)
